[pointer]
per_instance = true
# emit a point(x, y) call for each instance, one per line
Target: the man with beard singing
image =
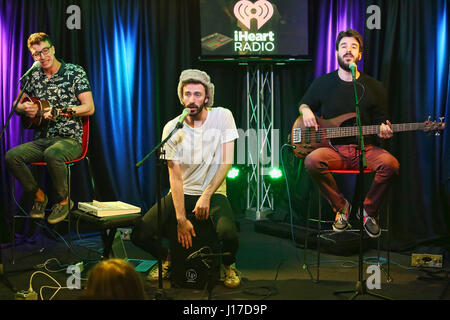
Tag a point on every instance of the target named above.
point(333, 94)
point(199, 156)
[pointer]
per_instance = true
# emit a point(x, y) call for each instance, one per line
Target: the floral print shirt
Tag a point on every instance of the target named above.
point(61, 91)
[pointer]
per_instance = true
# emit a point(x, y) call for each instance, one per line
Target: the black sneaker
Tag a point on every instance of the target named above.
point(371, 226)
point(341, 221)
point(59, 212)
point(38, 209)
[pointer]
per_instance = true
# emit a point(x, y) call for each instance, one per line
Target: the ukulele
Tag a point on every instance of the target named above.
point(306, 139)
point(39, 120)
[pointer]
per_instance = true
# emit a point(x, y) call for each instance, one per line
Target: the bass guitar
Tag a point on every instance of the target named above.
point(306, 140)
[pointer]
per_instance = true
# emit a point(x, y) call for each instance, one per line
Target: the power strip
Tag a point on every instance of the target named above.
point(25, 295)
point(426, 260)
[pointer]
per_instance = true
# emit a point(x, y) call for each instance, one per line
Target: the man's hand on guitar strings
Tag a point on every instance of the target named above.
point(30, 109)
point(50, 113)
point(385, 130)
point(309, 120)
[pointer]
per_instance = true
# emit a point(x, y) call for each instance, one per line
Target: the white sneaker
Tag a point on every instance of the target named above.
point(153, 274)
point(232, 277)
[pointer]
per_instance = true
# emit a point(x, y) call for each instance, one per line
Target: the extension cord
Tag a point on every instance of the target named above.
point(426, 260)
point(25, 295)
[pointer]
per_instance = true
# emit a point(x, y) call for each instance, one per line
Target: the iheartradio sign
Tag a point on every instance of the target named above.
point(245, 11)
point(253, 42)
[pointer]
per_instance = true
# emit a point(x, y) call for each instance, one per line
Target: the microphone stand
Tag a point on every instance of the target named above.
point(361, 287)
point(14, 108)
point(160, 295)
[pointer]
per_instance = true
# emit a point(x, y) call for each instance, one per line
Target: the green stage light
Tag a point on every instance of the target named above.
point(233, 173)
point(275, 173)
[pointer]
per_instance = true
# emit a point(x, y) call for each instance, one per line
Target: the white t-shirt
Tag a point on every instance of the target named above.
point(199, 150)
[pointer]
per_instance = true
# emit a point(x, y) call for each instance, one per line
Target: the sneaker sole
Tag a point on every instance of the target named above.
point(36, 216)
point(340, 230)
point(371, 234)
point(232, 286)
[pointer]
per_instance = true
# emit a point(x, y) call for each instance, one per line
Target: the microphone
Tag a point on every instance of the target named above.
point(352, 67)
point(186, 111)
point(35, 65)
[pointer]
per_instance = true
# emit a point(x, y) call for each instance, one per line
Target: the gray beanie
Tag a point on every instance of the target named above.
point(200, 76)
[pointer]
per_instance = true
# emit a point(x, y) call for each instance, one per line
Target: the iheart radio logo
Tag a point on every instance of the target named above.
point(245, 11)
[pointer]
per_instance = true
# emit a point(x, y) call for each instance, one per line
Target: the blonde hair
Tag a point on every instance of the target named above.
point(114, 279)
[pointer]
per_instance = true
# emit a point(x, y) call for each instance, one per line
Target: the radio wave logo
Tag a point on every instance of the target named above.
point(245, 11)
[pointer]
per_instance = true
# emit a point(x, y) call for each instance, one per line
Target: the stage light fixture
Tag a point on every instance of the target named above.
point(275, 174)
point(233, 173)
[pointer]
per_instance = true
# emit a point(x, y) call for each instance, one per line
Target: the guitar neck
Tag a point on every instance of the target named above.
point(340, 132)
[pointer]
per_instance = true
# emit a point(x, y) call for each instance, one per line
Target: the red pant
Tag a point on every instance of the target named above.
point(320, 161)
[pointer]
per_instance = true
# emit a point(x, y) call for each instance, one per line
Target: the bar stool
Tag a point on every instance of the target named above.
point(69, 164)
point(319, 221)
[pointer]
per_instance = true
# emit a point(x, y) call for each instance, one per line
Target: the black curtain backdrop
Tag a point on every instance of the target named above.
point(135, 98)
point(407, 57)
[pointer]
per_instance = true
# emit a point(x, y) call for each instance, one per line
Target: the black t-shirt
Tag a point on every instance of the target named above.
point(329, 96)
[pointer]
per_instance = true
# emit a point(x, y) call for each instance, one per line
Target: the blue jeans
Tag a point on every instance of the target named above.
point(54, 151)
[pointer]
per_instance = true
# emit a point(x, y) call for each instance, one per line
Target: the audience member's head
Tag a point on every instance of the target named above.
point(114, 279)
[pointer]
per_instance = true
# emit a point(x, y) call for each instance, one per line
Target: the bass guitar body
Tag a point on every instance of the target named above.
point(306, 139)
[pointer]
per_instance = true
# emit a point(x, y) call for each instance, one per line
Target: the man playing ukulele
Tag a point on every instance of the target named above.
point(66, 87)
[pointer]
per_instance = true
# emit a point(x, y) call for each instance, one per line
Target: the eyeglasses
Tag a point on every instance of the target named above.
point(43, 52)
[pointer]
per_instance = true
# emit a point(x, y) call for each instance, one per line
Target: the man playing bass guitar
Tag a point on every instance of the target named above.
point(64, 88)
point(333, 95)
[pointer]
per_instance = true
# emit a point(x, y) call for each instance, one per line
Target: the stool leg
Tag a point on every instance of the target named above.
point(379, 242)
point(305, 247)
point(69, 176)
point(305, 262)
point(13, 240)
point(319, 235)
point(91, 177)
point(388, 227)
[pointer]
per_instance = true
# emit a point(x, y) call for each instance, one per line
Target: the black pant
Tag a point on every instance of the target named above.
point(145, 233)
